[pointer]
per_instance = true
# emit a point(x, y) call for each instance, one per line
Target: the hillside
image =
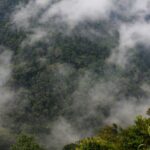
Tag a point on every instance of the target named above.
point(64, 74)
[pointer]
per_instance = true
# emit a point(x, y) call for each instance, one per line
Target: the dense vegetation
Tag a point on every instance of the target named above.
point(114, 137)
point(47, 74)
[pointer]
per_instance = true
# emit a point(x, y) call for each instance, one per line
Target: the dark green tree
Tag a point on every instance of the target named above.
point(25, 142)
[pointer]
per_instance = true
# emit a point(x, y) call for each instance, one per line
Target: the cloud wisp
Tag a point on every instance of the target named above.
point(6, 94)
point(131, 19)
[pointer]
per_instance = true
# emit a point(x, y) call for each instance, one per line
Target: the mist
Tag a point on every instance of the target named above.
point(6, 95)
point(96, 99)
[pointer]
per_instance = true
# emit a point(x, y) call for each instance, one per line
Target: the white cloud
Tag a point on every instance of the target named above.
point(135, 30)
point(125, 111)
point(62, 134)
point(75, 11)
point(131, 34)
point(91, 91)
point(70, 11)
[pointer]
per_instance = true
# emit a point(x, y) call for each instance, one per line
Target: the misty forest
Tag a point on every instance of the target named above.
point(74, 74)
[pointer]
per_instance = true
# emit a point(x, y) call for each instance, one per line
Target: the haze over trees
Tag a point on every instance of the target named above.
point(74, 75)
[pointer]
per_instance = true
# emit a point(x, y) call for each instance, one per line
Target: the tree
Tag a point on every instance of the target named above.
point(95, 143)
point(148, 112)
point(134, 137)
point(70, 147)
point(25, 142)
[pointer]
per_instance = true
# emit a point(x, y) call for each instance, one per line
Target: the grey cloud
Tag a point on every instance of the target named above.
point(91, 91)
point(5, 73)
point(124, 111)
point(62, 133)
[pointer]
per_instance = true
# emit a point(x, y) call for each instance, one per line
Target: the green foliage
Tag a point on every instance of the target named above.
point(148, 112)
point(70, 147)
point(115, 138)
point(6, 139)
point(46, 92)
point(25, 142)
point(95, 144)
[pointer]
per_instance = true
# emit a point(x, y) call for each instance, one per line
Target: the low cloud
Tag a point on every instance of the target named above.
point(124, 111)
point(132, 21)
point(70, 11)
point(62, 134)
point(5, 73)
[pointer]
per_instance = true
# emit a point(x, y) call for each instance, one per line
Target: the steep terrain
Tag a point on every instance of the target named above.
point(70, 72)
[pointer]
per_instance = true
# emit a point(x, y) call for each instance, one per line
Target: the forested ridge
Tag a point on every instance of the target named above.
point(64, 90)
